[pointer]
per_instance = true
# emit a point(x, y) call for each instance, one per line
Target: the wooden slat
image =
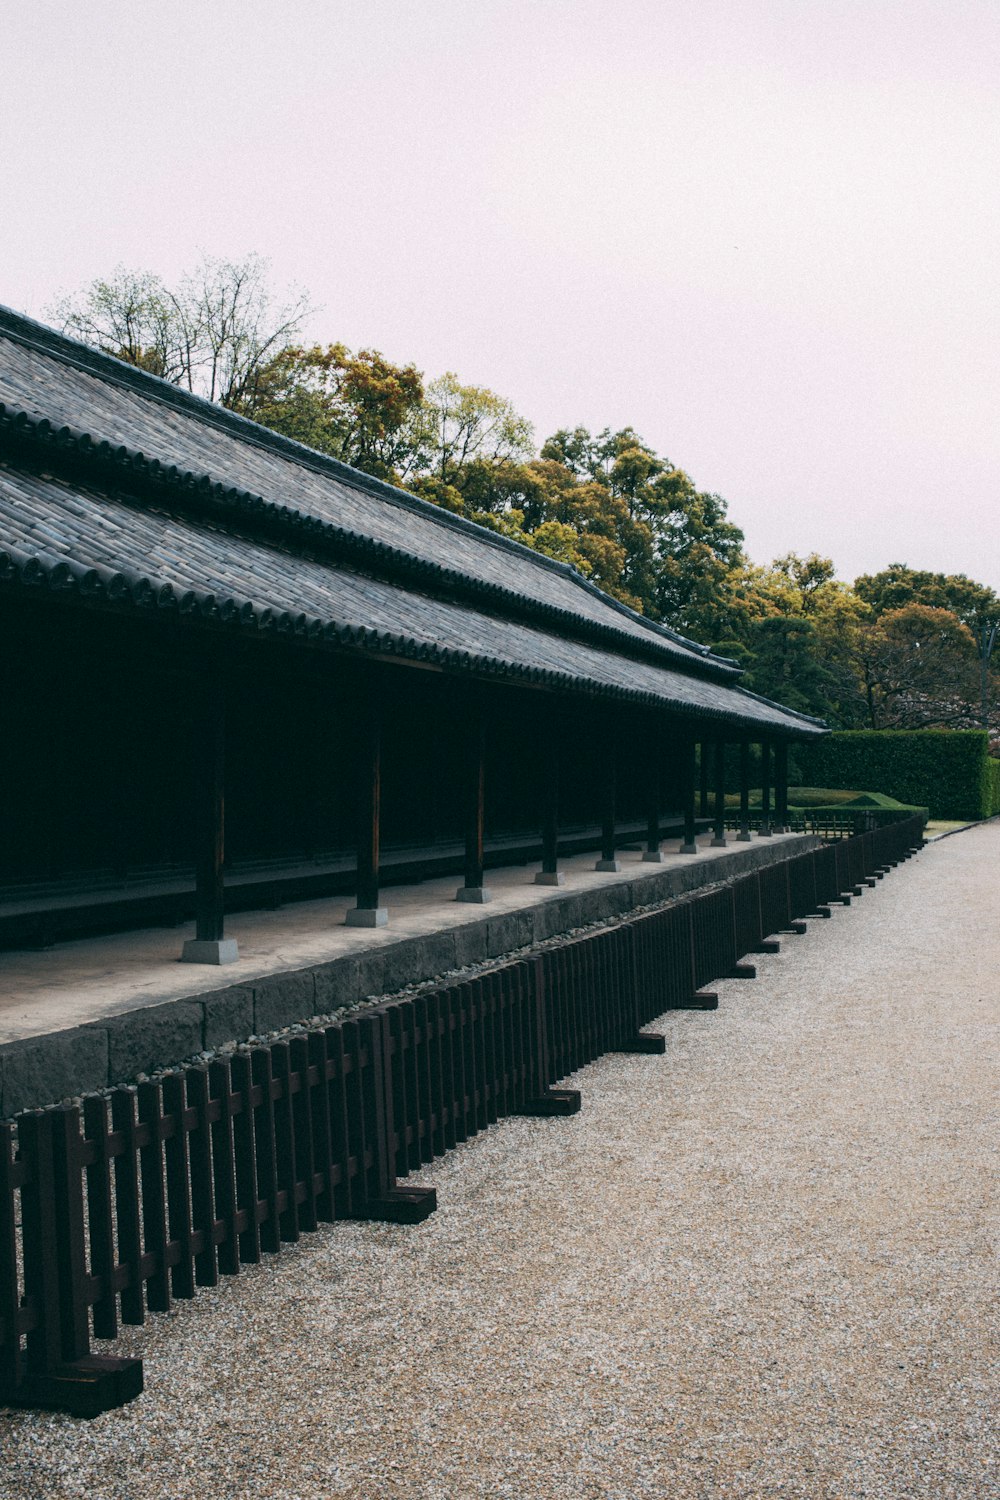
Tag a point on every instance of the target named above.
point(266, 1150)
point(100, 1216)
point(154, 1215)
point(178, 1185)
point(284, 1141)
point(302, 1109)
point(123, 1118)
point(245, 1146)
point(67, 1186)
point(223, 1153)
point(340, 1134)
point(11, 1359)
point(203, 1222)
point(38, 1230)
point(322, 1140)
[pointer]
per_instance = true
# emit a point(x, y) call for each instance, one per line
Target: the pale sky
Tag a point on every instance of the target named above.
point(763, 233)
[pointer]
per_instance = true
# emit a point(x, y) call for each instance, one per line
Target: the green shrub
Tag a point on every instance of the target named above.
point(993, 775)
point(947, 770)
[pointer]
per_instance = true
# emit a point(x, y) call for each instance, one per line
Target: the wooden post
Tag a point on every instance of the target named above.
point(550, 874)
point(719, 831)
point(781, 786)
point(765, 788)
point(209, 945)
point(609, 810)
point(743, 837)
point(703, 771)
point(368, 913)
point(653, 854)
point(689, 846)
point(474, 775)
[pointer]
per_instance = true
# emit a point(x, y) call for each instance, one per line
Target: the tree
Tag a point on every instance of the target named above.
point(214, 333)
point(806, 589)
point(919, 669)
point(896, 586)
point(680, 548)
point(357, 407)
point(786, 664)
point(129, 316)
point(458, 424)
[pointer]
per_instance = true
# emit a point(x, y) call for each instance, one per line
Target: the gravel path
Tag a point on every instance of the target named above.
point(761, 1266)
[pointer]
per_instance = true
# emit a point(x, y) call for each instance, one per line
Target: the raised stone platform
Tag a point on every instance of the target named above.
point(87, 1014)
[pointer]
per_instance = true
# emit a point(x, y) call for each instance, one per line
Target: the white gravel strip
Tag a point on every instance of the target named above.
point(760, 1266)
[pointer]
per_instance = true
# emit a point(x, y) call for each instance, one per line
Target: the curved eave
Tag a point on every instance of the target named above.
point(99, 587)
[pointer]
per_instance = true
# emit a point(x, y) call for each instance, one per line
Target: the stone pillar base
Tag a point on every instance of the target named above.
point(719, 844)
point(608, 866)
point(550, 877)
point(366, 916)
point(654, 857)
point(479, 894)
point(210, 951)
point(688, 849)
point(743, 838)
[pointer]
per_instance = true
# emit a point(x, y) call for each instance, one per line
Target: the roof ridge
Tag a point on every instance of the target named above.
point(106, 366)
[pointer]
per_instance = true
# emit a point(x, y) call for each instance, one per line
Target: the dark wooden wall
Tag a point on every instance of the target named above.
point(102, 720)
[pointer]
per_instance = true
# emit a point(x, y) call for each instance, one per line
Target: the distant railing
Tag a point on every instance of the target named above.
point(143, 1195)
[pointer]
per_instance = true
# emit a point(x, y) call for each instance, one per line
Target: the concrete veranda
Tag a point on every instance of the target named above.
point(762, 1265)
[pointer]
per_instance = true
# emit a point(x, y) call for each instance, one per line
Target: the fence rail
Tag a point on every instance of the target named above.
point(116, 1210)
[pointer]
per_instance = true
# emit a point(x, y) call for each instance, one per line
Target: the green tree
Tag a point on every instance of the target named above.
point(786, 664)
point(896, 586)
point(919, 669)
point(458, 424)
point(357, 407)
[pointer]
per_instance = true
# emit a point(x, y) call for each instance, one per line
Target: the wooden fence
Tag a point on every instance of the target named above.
point(140, 1197)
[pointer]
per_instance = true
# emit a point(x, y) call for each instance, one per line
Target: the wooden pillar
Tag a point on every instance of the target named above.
point(550, 874)
point(703, 770)
point(743, 837)
point(781, 786)
point(209, 945)
point(474, 775)
point(368, 913)
point(689, 846)
point(653, 854)
point(765, 788)
point(609, 801)
point(719, 830)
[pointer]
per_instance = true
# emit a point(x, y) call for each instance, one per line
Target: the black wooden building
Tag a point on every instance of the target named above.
point(209, 630)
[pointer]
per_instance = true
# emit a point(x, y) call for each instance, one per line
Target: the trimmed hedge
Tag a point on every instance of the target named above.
point(946, 770)
point(993, 769)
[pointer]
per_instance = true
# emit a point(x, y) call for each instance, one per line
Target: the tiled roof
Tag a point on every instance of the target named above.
point(119, 486)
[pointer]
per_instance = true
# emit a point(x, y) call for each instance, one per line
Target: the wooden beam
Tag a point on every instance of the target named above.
point(474, 774)
point(743, 836)
point(781, 786)
point(719, 830)
point(653, 854)
point(367, 912)
point(765, 788)
point(609, 800)
point(688, 780)
point(210, 945)
point(550, 874)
